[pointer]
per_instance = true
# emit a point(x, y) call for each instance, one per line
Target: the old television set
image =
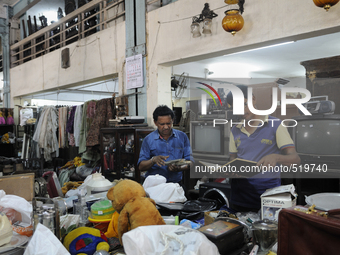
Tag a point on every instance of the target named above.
point(317, 139)
point(208, 142)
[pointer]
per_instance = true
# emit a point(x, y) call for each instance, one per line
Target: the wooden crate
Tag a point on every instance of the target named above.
point(21, 185)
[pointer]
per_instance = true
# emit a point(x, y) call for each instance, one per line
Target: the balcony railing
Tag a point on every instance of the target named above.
point(92, 17)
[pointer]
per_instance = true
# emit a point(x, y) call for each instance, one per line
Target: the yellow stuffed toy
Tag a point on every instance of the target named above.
point(135, 209)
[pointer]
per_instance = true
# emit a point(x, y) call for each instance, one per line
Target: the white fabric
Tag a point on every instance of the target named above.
point(62, 120)
point(167, 239)
point(17, 203)
point(81, 188)
point(44, 242)
point(77, 124)
point(163, 192)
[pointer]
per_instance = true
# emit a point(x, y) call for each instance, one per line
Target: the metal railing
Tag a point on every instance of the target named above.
point(92, 17)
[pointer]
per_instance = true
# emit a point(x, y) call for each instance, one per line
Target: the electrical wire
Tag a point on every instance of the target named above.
point(170, 21)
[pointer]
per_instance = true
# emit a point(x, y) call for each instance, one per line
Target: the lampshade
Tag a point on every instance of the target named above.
point(233, 21)
point(231, 1)
point(195, 29)
point(326, 4)
point(206, 26)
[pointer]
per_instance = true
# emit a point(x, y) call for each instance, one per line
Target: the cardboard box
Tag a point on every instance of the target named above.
point(21, 185)
point(273, 200)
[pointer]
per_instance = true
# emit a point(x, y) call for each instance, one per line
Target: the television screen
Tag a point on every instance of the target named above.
point(207, 139)
point(318, 136)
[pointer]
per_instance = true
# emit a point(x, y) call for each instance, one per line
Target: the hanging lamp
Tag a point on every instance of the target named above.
point(233, 20)
point(206, 17)
point(231, 1)
point(326, 4)
point(195, 28)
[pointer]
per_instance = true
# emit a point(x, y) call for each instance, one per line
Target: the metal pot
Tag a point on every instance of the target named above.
point(265, 234)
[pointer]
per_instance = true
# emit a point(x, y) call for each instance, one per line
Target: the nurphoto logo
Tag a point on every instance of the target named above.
point(238, 102)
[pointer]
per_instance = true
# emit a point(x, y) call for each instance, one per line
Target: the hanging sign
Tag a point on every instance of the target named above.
point(134, 72)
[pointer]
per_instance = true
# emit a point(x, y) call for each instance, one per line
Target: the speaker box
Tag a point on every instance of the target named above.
point(70, 6)
point(65, 58)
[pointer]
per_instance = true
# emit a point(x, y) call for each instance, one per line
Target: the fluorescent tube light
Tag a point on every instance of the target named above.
point(261, 48)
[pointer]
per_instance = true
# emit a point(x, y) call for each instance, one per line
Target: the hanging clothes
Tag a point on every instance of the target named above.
point(62, 127)
point(35, 150)
point(46, 133)
point(103, 114)
point(77, 123)
point(10, 120)
point(89, 111)
point(70, 125)
point(2, 118)
point(70, 121)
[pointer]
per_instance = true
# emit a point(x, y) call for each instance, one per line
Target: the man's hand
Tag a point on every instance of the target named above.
point(159, 160)
point(269, 160)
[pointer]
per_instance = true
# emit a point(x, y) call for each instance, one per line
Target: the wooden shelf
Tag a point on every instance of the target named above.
point(120, 159)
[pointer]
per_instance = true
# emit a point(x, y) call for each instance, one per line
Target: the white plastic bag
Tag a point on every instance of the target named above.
point(166, 240)
point(153, 180)
point(162, 192)
point(25, 114)
point(19, 204)
point(68, 220)
point(44, 242)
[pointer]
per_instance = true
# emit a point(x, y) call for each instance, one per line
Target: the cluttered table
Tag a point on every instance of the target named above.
point(89, 214)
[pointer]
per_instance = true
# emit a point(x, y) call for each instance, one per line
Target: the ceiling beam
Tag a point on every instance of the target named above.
point(26, 8)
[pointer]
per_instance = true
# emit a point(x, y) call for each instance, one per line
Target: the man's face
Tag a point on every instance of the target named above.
point(164, 124)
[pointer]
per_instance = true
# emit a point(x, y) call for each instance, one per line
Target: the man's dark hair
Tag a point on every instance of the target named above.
point(230, 95)
point(162, 110)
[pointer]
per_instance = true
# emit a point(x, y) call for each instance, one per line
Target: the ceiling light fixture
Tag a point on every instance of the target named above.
point(206, 17)
point(326, 4)
point(282, 81)
point(233, 20)
point(261, 48)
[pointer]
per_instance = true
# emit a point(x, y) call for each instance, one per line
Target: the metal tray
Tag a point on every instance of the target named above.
point(324, 201)
point(17, 242)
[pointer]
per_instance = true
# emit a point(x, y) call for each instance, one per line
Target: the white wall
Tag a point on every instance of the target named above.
point(169, 42)
point(92, 58)
point(266, 22)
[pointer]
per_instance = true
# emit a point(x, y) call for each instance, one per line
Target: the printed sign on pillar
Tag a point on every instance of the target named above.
point(134, 72)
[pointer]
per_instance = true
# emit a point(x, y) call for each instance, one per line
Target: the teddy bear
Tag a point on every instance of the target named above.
point(85, 240)
point(135, 209)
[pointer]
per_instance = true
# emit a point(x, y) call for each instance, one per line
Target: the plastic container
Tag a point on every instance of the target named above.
point(98, 184)
point(170, 220)
point(102, 210)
